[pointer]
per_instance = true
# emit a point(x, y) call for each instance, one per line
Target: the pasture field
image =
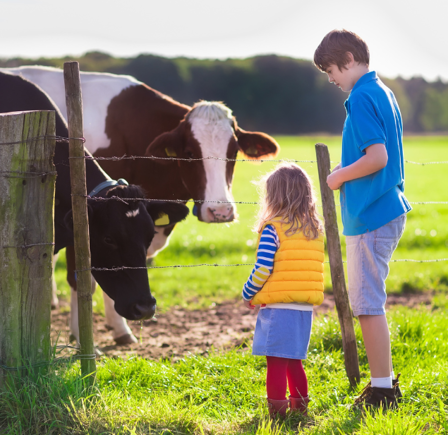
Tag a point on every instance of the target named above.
point(193, 242)
point(224, 393)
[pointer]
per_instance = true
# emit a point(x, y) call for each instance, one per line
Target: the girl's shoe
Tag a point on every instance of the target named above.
point(299, 405)
point(277, 407)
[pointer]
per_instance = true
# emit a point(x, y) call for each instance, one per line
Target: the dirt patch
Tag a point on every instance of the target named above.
point(180, 332)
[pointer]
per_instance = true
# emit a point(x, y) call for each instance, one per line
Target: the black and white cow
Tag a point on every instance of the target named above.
point(120, 232)
point(125, 116)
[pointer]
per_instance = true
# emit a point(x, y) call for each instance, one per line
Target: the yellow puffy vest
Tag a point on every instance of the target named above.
point(298, 274)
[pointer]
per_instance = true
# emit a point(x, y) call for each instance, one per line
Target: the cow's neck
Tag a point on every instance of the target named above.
point(160, 181)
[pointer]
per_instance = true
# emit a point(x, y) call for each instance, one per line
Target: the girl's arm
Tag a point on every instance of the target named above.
point(265, 263)
point(374, 160)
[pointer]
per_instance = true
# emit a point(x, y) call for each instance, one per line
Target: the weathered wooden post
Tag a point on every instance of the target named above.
point(73, 98)
point(337, 268)
point(27, 181)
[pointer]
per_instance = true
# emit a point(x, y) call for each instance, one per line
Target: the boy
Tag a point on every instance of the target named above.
point(371, 182)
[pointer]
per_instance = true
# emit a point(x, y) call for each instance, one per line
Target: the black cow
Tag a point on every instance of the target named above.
point(120, 231)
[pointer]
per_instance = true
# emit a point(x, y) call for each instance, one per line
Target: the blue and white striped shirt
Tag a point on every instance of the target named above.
point(269, 244)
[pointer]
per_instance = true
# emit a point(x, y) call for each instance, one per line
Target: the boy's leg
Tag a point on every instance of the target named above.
point(368, 257)
point(375, 333)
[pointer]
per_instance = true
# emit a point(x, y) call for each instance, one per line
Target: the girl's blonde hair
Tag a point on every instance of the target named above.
point(289, 197)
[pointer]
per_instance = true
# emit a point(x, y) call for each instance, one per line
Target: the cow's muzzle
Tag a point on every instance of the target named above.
point(143, 311)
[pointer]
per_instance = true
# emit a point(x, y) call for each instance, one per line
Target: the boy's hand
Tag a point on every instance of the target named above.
point(336, 168)
point(334, 180)
point(248, 304)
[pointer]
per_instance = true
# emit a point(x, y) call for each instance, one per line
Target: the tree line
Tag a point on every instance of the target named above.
point(270, 93)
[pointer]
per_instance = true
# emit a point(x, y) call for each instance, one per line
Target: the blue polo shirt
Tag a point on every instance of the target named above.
point(373, 116)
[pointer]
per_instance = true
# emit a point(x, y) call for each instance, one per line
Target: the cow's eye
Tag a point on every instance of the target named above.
point(189, 154)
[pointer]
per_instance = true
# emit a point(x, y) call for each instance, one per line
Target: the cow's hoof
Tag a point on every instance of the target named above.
point(72, 338)
point(54, 306)
point(125, 339)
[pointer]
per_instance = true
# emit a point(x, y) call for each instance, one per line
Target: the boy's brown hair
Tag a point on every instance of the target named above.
point(334, 48)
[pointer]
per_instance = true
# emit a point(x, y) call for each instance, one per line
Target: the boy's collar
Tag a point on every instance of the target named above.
point(367, 77)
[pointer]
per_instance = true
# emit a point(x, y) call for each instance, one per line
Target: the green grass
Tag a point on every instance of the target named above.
point(225, 392)
point(193, 242)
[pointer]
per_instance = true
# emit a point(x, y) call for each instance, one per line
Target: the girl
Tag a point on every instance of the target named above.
point(286, 282)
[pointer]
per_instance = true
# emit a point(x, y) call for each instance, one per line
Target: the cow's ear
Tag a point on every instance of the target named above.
point(167, 144)
point(166, 213)
point(68, 220)
point(256, 145)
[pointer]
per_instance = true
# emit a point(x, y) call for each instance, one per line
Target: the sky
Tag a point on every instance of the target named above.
point(405, 38)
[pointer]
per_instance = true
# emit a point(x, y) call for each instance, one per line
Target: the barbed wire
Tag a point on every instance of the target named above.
point(202, 201)
point(33, 174)
point(125, 157)
point(194, 159)
point(29, 245)
point(177, 266)
point(31, 139)
point(53, 361)
point(428, 202)
point(224, 159)
point(426, 163)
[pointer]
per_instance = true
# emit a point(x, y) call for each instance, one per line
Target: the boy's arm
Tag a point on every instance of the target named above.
point(374, 160)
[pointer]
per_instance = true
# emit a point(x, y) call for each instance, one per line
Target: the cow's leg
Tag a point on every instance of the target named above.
point(74, 325)
point(54, 295)
point(121, 332)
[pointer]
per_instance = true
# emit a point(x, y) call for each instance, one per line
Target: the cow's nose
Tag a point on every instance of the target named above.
point(143, 311)
point(221, 214)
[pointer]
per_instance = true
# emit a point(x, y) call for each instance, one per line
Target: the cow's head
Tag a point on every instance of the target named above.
point(120, 233)
point(210, 130)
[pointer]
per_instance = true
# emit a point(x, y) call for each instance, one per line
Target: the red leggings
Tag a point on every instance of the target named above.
point(280, 369)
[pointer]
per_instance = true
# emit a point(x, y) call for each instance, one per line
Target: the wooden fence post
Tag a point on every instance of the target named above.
point(73, 98)
point(337, 268)
point(27, 182)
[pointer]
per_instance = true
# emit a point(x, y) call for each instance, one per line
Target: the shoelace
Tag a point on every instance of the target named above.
point(365, 394)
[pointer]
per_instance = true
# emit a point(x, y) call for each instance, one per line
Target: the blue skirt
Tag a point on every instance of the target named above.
point(282, 333)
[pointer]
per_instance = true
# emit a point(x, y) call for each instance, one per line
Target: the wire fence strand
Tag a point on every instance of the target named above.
point(43, 137)
point(178, 266)
point(53, 361)
point(203, 201)
point(28, 245)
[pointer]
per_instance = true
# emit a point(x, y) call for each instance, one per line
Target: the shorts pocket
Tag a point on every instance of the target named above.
point(384, 247)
